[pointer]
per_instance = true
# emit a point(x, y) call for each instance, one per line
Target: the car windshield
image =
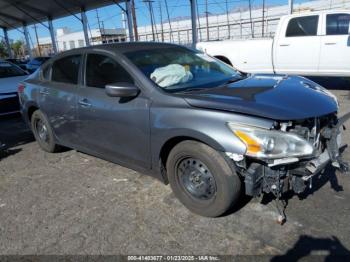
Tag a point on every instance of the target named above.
point(177, 69)
point(10, 70)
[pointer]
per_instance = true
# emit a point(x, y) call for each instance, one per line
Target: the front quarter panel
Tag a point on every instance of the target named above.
point(207, 126)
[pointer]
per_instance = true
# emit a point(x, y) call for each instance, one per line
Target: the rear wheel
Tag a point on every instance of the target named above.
point(202, 179)
point(43, 132)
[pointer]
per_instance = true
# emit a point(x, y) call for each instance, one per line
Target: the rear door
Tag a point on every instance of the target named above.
point(111, 127)
point(335, 45)
point(58, 96)
point(297, 48)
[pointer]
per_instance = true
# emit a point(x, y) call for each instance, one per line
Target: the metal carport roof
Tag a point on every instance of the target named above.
point(13, 14)
point(16, 14)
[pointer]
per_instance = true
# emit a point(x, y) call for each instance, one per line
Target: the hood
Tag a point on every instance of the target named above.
point(9, 85)
point(270, 96)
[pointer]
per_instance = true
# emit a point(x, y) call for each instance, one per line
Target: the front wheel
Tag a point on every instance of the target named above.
point(202, 179)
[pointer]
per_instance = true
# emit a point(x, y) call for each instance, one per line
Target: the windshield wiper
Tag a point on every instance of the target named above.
point(235, 79)
point(193, 89)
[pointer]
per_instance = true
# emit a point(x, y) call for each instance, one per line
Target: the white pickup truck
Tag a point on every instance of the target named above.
point(310, 44)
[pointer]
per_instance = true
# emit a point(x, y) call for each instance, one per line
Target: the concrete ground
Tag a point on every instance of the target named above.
point(72, 203)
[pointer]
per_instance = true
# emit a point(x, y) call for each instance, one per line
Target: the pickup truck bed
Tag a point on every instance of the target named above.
point(253, 56)
point(309, 44)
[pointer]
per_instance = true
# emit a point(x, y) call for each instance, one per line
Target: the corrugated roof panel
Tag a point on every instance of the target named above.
point(14, 13)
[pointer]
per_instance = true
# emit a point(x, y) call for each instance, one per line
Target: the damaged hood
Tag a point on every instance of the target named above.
point(270, 96)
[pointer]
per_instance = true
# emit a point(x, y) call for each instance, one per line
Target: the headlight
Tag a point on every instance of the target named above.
point(263, 143)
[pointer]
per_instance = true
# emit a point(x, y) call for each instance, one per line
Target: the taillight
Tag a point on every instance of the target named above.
point(21, 88)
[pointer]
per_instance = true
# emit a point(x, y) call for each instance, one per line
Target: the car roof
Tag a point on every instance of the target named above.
point(121, 47)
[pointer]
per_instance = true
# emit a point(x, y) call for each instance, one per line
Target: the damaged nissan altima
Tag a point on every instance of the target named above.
point(186, 118)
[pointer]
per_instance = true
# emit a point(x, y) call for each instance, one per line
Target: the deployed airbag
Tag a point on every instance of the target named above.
point(171, 75)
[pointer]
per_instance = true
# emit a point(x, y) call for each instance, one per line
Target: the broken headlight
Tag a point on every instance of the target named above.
point(271, 144)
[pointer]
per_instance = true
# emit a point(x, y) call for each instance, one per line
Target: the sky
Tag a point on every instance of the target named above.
point(112, 18)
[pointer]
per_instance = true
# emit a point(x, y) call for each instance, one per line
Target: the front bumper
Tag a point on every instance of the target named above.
point(282, 175)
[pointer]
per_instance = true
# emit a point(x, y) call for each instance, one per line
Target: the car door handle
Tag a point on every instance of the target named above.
point(84, 102)
point(284, 44)
point(44, 92)
point(330, 43)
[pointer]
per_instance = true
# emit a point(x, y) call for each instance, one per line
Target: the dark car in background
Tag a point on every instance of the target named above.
point(21, 63)
point(185, 118)
point(10, 76)
point(35, 63)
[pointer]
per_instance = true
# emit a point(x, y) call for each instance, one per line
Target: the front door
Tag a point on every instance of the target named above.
point(335, 45)
point(111, 127)
point(297, 50)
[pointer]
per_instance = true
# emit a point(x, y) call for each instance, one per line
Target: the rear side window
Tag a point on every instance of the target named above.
point(66, 70)
point(338, 24)
point(302, 26)
point(102, 70)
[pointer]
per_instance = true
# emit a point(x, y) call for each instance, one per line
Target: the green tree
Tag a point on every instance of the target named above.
point(18, 47)
point(3, 50)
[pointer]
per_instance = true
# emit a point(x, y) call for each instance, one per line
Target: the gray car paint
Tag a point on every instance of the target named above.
point(132, 132)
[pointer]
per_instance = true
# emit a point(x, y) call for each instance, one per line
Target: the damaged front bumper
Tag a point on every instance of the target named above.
point(281, 175)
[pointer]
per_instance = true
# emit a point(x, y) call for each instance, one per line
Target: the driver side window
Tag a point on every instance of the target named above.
point(102, 70)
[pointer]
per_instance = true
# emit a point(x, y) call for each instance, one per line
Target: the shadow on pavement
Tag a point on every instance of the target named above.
point(13, 133)
point(332, 83)
point(8, 152)
point(328, 249)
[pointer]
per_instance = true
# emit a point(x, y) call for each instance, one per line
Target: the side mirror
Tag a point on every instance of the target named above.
point(122, 89)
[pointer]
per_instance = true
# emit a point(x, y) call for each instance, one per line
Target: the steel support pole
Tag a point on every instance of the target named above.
point(129, 18)
point(194, 22)
point(53, 37)
point(26, 36)
point(7, 42)
point(134, 20)
point(290, 6)
point(85, 27)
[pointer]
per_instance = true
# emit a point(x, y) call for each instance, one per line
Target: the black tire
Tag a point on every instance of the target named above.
point(47, 143)
point(227, 182)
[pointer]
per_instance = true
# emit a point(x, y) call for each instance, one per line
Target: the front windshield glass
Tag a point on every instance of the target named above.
point(180, 69)
point(10, 70)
